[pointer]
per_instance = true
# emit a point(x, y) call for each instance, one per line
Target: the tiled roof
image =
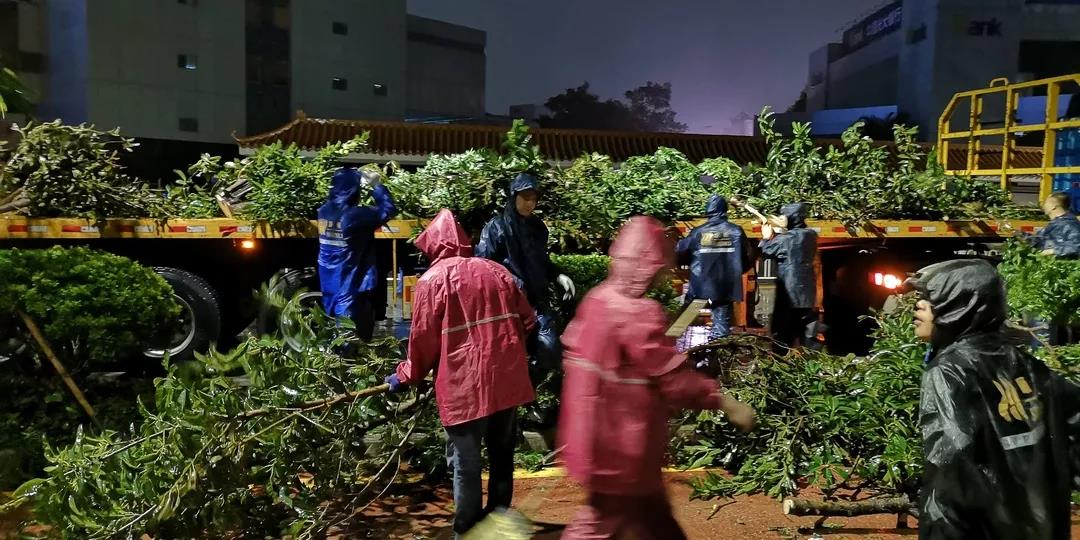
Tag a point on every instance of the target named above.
point(392, 140)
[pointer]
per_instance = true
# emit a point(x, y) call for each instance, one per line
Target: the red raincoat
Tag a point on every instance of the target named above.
point(623, 377)
point(471, 320)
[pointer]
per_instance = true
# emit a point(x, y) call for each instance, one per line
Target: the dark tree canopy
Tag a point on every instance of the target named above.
point(647, 108)
point(881, 128)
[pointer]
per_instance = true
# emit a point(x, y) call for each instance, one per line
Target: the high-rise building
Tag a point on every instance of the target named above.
point(911, 56)
point(202, 70)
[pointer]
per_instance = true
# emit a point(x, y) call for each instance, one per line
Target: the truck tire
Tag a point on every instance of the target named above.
point(303, 282)
point(200, 316)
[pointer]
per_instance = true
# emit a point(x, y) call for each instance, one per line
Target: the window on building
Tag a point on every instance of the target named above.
point(339, 28)
point(187, 61)
point(339, 83)
point(379, 89)
point(916, 35)
point(190, 125)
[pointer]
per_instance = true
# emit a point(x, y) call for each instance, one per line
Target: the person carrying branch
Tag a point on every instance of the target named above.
point(623, 381)
point(347, 273)
point(719, 256)
point(470, 322)
point(794, 246)
point(996, 422)
point(518, 239)
point(1061, 239)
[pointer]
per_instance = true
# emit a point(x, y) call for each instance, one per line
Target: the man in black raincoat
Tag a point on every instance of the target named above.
point(794, 318)
point(995, 421)
point(518, 239)
point(718, 257)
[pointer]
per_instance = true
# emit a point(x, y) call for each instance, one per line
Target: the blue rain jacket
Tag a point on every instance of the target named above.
point(346, 241)
point(718, 256)
point(794, 251)
point(1062, 235)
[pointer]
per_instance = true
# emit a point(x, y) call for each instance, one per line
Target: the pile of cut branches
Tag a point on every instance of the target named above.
point(263, 440)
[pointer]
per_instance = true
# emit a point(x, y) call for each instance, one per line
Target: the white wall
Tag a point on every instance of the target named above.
point(372, 52)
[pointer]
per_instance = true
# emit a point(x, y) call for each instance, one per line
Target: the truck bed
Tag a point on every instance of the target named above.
point(13, 228)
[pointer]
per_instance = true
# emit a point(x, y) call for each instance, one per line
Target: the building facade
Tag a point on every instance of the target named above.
point(202, 70)
point(915, 54)
point(447, 70)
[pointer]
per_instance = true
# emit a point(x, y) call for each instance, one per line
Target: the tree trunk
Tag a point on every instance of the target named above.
point(805, 507)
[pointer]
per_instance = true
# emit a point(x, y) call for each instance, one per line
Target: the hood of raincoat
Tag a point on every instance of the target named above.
point(639, 252)
point(444, 238)
point(345, 187)
point(966, 296)
point(796, 214)
point(717, 207)
point(523, 182)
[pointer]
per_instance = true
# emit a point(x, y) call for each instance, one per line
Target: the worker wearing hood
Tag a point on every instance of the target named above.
point(470, 322)
point(518, 239)
point(994, 420)
point(623, 381)
point(347, 273)
point(794, 319)
point(718, 255)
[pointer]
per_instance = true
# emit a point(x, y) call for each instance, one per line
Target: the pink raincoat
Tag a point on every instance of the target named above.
point(469, 323)
point(623, 382)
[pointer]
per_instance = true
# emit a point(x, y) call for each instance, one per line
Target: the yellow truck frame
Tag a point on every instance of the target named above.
point(976, 129)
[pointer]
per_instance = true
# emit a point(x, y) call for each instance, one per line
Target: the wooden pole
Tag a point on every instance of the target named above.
point(47, 350)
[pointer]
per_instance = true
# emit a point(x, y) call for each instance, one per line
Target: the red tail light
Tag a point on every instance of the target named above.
point(889, 281)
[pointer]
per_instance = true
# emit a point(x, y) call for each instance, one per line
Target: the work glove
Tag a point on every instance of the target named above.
point(568, 285)
point(767, 231)
point(395, 384)
point(370, 178)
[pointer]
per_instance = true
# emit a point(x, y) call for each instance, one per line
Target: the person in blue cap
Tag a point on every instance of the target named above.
point(518, 239)
point(347, 273)
point(718, 255)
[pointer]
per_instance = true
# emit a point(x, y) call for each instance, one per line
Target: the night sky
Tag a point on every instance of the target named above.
point(722, 57)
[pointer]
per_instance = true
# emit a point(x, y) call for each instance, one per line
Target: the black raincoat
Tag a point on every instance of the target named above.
point(795, 251)
point(520, 244)
point(1062, 235)
point(995, 422)
point(718, 256)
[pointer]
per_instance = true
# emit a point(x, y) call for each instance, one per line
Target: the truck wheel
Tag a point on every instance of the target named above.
point(200, 316)
point(301, 285)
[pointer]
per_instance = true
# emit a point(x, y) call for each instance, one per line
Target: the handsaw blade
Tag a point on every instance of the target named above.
point(687, 317)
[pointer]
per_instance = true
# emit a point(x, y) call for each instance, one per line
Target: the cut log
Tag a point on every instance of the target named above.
point(805, 507)
point(14, 195)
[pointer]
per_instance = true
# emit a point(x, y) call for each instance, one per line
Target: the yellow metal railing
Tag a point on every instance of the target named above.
point(972, 136)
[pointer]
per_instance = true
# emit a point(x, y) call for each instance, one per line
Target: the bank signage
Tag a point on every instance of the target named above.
point(878, 25)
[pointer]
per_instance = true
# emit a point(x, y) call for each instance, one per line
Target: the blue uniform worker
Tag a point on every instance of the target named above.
point(347, 273)
point(719, 256)
point(794, 319)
